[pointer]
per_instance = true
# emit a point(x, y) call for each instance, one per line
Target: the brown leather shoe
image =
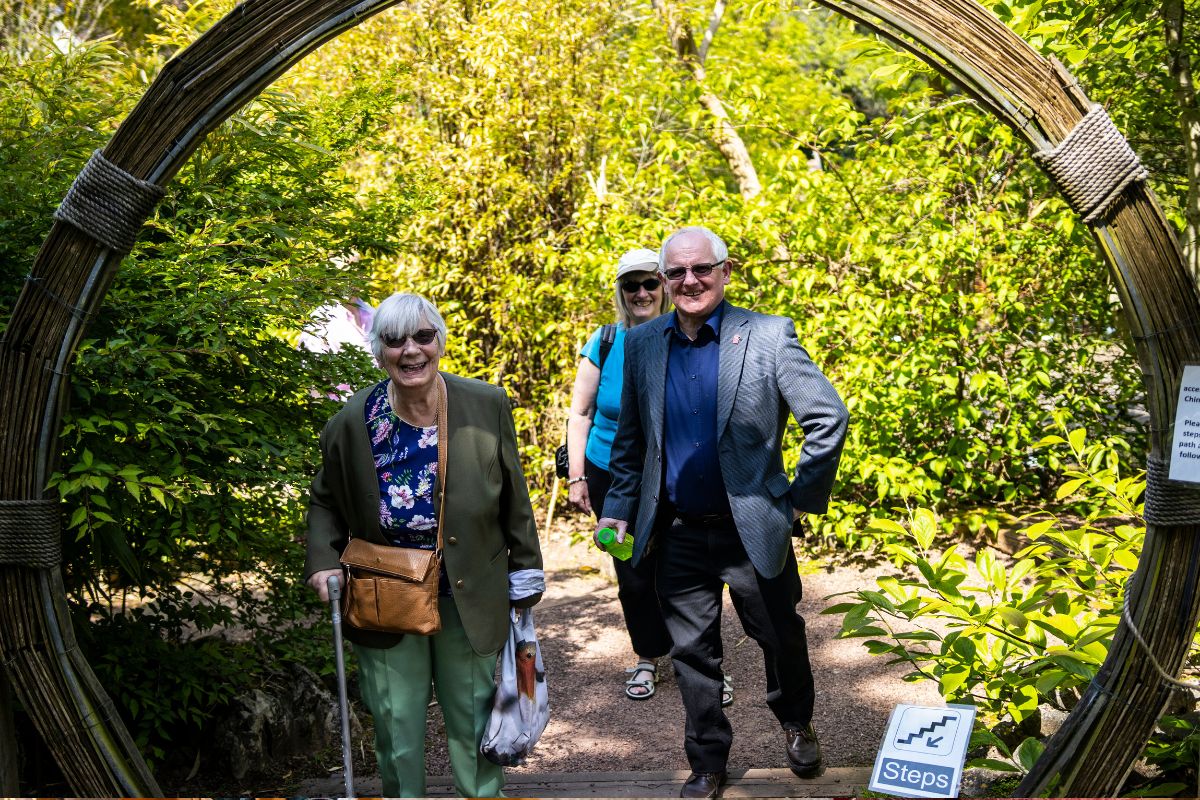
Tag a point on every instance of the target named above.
point(703, 784)
point(803, 751)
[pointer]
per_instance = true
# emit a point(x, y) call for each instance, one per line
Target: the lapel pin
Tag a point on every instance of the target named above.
point(737, 339)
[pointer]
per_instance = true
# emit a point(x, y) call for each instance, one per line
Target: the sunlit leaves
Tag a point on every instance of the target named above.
point(191, 428)
point(1008, 634)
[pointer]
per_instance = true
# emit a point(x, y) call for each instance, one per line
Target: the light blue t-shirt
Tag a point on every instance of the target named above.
point(608, 396)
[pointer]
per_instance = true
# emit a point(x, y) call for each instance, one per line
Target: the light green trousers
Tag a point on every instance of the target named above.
point(395, 684)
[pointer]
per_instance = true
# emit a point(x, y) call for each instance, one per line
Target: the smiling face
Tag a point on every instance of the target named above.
point(695, 296)
point(412, 366)
point(643, 304)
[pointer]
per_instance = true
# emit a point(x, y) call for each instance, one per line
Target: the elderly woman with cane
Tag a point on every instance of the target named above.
point(380, 481)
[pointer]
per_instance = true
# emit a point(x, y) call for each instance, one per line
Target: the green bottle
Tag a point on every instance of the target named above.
point(608, 538)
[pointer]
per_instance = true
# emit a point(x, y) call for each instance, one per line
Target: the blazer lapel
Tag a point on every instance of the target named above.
point(655, 379)
point(362, 480)
point(734, 339)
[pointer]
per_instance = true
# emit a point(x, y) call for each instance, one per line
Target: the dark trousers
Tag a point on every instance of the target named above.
point(694, 564)
point(635, 587)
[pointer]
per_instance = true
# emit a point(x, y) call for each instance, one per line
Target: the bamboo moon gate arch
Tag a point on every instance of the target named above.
point(260, 39)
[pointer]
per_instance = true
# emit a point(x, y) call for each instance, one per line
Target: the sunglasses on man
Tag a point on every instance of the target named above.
point(649, 284)
point(422, 337)
point(700, 271)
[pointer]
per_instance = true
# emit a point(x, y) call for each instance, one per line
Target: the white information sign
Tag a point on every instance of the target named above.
point(923, 751)
point(1185, 449)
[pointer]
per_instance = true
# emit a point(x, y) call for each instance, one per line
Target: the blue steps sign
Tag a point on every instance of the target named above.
point(923, 751)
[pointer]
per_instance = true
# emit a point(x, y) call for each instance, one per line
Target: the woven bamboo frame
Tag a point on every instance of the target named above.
point(261, 39)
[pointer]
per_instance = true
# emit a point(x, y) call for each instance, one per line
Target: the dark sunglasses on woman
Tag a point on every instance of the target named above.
point(422, 337)
point(649, 284)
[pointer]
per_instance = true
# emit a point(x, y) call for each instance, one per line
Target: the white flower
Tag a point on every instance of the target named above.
point(420, 523)
point(402, 496)
point(428, 437)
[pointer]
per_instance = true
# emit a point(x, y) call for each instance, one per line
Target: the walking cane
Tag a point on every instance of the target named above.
point(335, 597)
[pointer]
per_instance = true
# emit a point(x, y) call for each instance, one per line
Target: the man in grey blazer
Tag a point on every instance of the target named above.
point(697, 467)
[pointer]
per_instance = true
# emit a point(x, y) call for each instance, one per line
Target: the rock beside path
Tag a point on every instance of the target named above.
point(292, 714)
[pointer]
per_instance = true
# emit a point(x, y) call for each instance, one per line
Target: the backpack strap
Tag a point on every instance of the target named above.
point(608, 335)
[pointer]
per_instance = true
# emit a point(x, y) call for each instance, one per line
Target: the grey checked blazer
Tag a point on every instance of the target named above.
point(764, 375)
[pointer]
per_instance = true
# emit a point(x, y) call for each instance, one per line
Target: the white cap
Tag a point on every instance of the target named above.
point(639, 260)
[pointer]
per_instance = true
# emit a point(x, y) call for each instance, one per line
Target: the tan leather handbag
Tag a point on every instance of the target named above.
point(395, 589)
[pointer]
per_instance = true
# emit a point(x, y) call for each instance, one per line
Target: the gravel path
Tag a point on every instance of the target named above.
point(595, 728)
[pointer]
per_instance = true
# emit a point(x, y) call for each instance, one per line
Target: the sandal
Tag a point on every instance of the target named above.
point(726, 692)
point(641, 688)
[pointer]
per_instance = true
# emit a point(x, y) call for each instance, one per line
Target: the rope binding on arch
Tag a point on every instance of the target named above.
point(109, 204)
point(1093, 164)
point(1168, 502)
point(30, 533)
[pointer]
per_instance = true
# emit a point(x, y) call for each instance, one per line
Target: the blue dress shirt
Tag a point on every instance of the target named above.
point(693, 468)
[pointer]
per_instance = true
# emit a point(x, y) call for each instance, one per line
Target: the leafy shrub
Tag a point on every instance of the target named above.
point(167, 689)
point(1008, 638)
point(497, 157)
point(932, 272)
point(191, 431)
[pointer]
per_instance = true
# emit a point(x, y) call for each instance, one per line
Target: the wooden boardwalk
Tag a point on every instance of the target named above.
point(834, 782)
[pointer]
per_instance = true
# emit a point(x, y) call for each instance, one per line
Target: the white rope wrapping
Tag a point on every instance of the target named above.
point(1093, 164)
point(1167, 503)
point(109, 204)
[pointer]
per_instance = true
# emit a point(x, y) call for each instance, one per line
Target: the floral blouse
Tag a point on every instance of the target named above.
point(406, 463)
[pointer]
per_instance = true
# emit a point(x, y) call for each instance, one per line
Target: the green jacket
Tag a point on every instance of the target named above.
point(488, 530)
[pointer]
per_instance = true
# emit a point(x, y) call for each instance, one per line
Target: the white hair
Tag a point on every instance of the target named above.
point(403, 314)
point(720, 250)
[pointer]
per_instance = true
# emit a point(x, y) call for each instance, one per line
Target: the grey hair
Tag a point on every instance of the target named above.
point(624, 315)
point(403, 314)
point(720, 250)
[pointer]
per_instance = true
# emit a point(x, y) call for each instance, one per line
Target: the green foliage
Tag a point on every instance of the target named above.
point(951, 302)
point(50, 121)
point(932, 272)
point(193, 407)
point(498, 156)
point(191, 431)
point(1006, 637)
point(1176, 751)
point(504, 110)
point(1117, 51)
point(167, 689)
point(946, 322)
point(170, 686)
point(1010, 635)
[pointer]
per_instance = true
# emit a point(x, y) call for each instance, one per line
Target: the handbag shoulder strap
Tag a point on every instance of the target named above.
point(443, 447)
point(608, 335)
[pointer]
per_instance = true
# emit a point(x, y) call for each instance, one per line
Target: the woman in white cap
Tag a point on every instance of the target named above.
point(641, 296)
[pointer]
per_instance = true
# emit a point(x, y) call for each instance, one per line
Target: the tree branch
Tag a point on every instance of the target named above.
point(725, 136)
point(714, 22)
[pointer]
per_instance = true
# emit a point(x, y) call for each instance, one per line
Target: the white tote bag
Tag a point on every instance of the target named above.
point(522, 706)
